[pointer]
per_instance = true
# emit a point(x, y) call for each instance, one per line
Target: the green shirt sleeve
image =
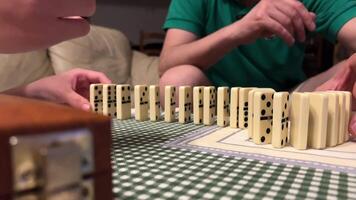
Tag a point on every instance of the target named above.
point(188, 15)
point(332, 15)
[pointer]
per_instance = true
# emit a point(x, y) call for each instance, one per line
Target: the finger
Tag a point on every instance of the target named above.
point(66, 8)
point(276, 28)
point(295, 9)
point(295, 21)
point(283, 19)
point(93, 76)
point(77, 101)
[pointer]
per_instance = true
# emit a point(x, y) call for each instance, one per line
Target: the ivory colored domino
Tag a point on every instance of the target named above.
point(123, 99)
point(342, 119)
point(109, 100)
point(348, 105)
point(250, 112)
point(280, 119)
point(96, 98)
point(243, 107)
point(185, 104)
point(169, 103)
point(263, 116)
point(223, 106)
point(209, 105)
point(299, 117)
point(198, 104)
point(234, 108)
point(333, 119)
point(251, 107)
point(318, 120)
point(141, 102)
point(154, 103)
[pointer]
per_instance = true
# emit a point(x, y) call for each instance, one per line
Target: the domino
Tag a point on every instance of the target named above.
point(169, 103)
point(250, 112)
point(333, 119)
point(154, 103)
point(185, 104)
point(299, 117)
point(318, 116)
point(243, 107)
point(280, 125)
point(263, 117)
point(234, 108)
point(223, 106)
point(198, 99)
point(109, 100)
point(96, 98)
point(250, 108)
point(342, 110)
point(123, 99)
point(209, 105)
point(348, 107)
point(141, 102)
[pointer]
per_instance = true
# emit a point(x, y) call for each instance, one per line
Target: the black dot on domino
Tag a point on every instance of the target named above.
point(245, 125)
point(143, 93)
point(246, 104)
point(263, 112)
point(282, 127)
point(286, 140)
point(285, 106)
point(200, 121)
point(263, 139)
point(123, 88)
point(245, 119)
point(268, 104)
point(283, 114)
point(268, 130)
point(281, 142)
point(263, 97)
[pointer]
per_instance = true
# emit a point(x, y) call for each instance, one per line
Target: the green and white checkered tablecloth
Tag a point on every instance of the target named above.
point(143, 168)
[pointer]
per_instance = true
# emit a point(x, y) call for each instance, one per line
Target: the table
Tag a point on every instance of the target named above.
point(144, 168)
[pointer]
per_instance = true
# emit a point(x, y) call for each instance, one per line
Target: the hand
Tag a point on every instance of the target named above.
point(287, 19)
point(33, 24)
point(345, 80)
point(70, 87)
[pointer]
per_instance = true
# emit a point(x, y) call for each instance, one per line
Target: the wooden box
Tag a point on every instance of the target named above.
point(45, 135)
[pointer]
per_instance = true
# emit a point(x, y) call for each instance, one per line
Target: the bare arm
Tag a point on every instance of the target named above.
point(339, 72)
point(182, 47)
point(347, 35)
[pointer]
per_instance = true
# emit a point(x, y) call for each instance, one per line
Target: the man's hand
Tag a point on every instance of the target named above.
point(345, 80)
point(70, 88)
point(33, 24)
point(287, 19)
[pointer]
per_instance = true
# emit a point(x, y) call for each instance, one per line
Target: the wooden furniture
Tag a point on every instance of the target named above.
point(49, 151)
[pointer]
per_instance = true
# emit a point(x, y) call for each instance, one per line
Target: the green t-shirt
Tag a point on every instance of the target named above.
point(264, 63)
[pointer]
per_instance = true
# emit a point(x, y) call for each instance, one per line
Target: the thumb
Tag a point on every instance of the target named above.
point(77, 101)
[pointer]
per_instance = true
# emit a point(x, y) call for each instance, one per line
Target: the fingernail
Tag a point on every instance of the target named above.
point(86, 107)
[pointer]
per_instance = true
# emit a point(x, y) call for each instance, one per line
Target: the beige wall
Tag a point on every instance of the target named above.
point(131, 16)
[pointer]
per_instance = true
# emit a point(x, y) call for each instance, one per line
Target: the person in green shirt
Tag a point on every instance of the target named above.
point(256, 43)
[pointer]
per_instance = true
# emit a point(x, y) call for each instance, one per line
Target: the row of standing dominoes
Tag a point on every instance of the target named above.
point(264, 112)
